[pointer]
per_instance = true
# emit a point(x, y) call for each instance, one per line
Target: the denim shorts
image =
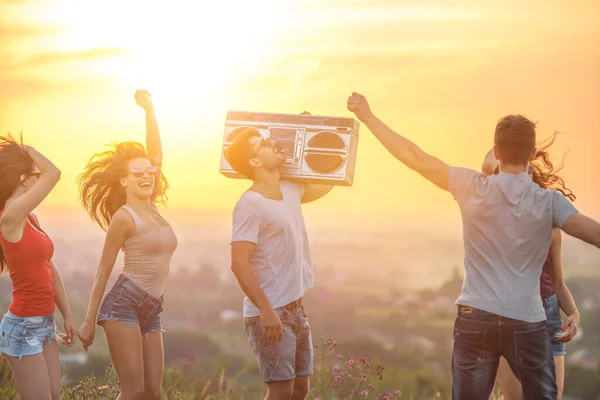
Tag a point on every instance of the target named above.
point(289, 358)
point(25, 336)
point(554, 325)
point(127, 303)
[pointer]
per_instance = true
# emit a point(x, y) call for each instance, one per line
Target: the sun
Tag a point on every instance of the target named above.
point(176, 48)
point(188, 54)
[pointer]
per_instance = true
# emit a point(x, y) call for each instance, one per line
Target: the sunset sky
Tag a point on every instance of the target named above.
point(442, 75)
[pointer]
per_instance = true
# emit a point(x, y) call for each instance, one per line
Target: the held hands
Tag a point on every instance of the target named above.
point(87, 334)
point(271, 326)
point(358, 104)
point(570, 328)
point(68, 338)
point(142, 98)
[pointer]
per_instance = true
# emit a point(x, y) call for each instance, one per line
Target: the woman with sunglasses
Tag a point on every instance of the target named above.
point(553, 290)
point(119, 189)
point(27, 331)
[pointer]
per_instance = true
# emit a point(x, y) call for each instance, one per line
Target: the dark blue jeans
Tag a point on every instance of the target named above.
point(481, 338)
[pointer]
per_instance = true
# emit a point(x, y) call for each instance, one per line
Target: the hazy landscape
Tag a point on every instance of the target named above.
point(389, 293)
point(387, 252)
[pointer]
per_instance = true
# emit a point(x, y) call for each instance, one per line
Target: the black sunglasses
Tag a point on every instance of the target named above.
point(266, 143)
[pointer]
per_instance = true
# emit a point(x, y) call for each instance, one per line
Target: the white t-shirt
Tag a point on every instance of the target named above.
point(507, 230)
point(281, 258)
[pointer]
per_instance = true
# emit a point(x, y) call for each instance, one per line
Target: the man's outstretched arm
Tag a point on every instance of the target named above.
point(584, 228)
point(403, 149)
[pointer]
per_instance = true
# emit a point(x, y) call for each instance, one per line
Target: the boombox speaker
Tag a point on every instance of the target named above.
point(318, 149)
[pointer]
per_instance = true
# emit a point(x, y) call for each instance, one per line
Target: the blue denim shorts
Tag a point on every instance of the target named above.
point(292, 356)
point(127, 303)
point(25, 336)
point(554, 325)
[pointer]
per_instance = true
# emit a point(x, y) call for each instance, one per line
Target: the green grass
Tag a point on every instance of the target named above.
point(335, 377)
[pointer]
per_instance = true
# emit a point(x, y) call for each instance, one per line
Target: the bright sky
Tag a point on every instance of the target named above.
point(442, 75)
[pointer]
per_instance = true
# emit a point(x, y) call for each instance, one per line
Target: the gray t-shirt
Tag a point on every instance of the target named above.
point(281, 258)
point(507, 229)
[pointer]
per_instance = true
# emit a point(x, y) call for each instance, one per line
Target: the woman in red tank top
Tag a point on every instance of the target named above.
point(553, 290)
point(27, 331)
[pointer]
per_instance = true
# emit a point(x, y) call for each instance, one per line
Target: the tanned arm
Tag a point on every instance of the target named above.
point(240, 265)
point(563, 294)
point(400, 147)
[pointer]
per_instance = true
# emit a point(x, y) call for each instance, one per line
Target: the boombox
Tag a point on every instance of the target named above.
point(318, 149)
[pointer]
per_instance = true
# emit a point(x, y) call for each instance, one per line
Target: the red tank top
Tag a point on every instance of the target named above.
point(28, 262)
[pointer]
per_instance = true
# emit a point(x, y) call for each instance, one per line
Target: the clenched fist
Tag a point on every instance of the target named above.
point(142, 98)
point(358, 104)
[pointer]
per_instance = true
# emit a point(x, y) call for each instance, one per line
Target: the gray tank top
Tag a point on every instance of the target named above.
point(148, 254)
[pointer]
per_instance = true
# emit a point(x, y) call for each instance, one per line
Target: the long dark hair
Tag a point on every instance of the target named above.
point(544, 173)
point(14, 162)
point(99, 185)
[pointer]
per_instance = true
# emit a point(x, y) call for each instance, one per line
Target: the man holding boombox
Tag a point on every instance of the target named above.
point(270, 258)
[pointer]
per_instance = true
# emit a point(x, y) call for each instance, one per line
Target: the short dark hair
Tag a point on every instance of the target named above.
point(515, 139)
point(240, 151)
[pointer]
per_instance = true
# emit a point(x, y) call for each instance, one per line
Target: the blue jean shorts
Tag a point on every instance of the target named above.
point(25, 336)
point(292, 356)
point(127, 303)
point(554, 325)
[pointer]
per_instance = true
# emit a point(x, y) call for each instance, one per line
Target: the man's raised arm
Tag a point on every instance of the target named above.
point(403, 149)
